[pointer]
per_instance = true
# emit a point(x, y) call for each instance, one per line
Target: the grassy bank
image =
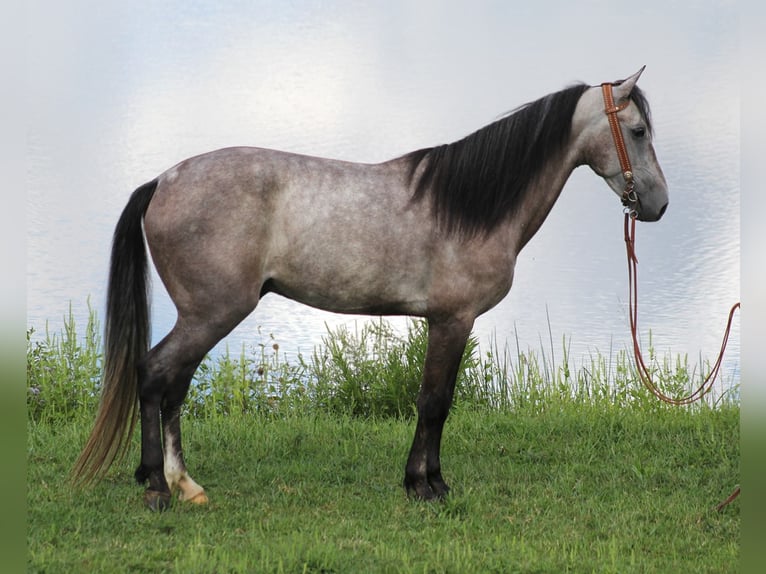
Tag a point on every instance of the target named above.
point(554, 468)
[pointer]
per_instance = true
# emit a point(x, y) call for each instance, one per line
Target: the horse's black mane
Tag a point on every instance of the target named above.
point(477, 182)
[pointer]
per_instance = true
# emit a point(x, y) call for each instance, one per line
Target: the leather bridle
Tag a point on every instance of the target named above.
point(629, 197)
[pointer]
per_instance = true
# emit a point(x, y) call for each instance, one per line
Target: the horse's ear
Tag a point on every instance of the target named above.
point(623, 89)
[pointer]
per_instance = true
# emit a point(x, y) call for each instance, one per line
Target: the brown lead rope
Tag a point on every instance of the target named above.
point(643, 372)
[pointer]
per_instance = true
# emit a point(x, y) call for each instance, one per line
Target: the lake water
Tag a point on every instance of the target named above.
point(121, 93)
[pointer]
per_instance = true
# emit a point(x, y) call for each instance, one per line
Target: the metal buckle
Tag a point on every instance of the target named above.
point(629, 194)
point(628, 210)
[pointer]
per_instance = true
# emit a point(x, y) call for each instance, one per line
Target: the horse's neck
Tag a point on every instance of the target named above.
point(541, 195)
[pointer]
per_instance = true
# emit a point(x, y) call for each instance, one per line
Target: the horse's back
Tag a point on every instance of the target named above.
point(337, 235)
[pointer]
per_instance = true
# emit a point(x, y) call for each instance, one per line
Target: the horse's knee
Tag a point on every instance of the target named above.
point(433, 408)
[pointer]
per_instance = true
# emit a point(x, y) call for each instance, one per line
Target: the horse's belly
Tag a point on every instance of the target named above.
point(350, 285)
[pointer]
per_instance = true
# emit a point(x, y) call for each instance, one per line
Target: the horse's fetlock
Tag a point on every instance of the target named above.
point(141, 474)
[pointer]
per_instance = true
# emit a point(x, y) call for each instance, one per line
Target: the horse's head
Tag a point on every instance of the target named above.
point(617, 141)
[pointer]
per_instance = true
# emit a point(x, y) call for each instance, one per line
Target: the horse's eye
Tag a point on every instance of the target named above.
point(639, 132)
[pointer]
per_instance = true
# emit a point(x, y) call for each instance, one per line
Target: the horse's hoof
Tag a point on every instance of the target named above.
point(439, 488)
point(420, 490)
point(199, 498)
point(156, 501)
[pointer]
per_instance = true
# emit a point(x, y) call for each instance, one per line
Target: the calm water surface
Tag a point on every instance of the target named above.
point(124, 93)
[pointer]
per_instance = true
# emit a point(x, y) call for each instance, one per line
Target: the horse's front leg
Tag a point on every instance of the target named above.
point(446, 343)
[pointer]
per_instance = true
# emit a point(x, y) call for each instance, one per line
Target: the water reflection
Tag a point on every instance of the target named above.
point(137, 89)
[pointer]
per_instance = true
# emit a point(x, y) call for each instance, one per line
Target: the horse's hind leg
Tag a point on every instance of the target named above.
point(165, 376)
point(176, 474)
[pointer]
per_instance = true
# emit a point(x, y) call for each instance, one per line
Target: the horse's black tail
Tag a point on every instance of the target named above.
point(126, 341)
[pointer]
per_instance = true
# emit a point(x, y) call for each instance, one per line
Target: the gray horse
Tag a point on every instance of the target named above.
point(434, 233)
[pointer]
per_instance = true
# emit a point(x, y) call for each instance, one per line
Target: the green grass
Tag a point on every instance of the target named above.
point(554, 468)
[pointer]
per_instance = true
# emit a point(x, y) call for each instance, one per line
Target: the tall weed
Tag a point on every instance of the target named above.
point(64, 371)
point(370, 371)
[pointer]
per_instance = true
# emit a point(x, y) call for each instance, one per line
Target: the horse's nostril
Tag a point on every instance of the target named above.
point(662, 211)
